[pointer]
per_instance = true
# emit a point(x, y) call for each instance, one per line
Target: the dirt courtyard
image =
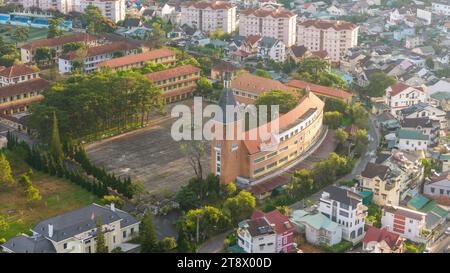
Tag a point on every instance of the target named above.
point(150, 155)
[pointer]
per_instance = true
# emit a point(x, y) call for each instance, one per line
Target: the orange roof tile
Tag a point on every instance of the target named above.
point(173, 72)
point(325, 24)
point(23, 87)
point(17, 70)
point(51, 42)
point(262, 12)
point(102, 49)
point(136, 58)
point(320, 90)
point(257, 85)
point(211, 5)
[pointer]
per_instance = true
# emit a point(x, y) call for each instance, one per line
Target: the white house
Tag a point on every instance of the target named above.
point(400, 96)
point(318, 228)
point(335, 11)
point(75, 232)
point(344, 207)
point(256, 236)
point(424, 110)
point(17, 73)
point(272, 49)
point(408, 223)
point(412, 140)
point(438, 186)
point(377, 178)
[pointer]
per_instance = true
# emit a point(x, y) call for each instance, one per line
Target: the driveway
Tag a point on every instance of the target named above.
point(213, 245)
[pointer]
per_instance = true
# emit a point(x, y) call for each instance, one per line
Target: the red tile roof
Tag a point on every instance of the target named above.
point(17, 70)
point(257, 85)
point(321, 53)
point(173, 72)
point(252, 39)
point(51, 42)
point(325, 24)
point(136, 58)
point(377, 235)
point(278, 13)
point(281, 222)
point(23, 87)
point(102, 49)
point(211, 5)
point(320, 90)
point(400, 87)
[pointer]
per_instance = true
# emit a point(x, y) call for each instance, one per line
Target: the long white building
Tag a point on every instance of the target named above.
point(336, 37)
point(268, 22)
point(209, 16)
point(112, 9)
point(441, 7)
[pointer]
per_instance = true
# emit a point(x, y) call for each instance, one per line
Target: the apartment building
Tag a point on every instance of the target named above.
point(283, 228)
point(16, 98)
point(209, 16)
point(408, 223)
point(378, 179)
point(157, 56)
point(344, 207)
point(92, 56)
point(268, 22)
point(425, 110)
point(256, 236)
point(17, 73)
point(335, 37)
point(248, 158)
point(400, 96)
point(28, 51)
point(176, 83)
point(115, 10)
point(440, 7)
point(75, 232)
point(64, 6)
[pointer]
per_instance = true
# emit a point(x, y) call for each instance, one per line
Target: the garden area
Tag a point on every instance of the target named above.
point(58, 196)
point(7, 32)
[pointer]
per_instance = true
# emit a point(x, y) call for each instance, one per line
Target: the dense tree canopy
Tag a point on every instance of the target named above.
point(90, 104)
point(285, 100)
point(95, 22)
point(378, 83)
point(317, 70)
point(6, 178)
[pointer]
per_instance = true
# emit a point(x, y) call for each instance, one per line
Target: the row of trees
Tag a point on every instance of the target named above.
point(304, 182)
point(87, 105)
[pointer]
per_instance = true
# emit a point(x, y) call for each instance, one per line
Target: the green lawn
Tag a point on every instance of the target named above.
point(58, 196)
point(35, 33)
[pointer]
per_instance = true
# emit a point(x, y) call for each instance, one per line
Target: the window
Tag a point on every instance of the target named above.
point(65, 246)
point(124, 234)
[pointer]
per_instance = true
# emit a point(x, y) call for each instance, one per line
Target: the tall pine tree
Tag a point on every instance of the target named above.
point(101, 241)
point(149, 241)
point(55, 144)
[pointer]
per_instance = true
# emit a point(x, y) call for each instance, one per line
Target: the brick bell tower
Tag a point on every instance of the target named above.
point(225, 152)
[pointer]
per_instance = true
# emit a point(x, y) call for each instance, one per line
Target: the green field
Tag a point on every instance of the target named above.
point(35, 33)
point(58, 196)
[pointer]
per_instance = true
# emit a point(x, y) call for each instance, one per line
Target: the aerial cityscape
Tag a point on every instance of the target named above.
point(229, 126)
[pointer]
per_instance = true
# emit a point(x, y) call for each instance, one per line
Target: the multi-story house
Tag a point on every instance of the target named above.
point(16, 98)
point(344, 207)
point(381, 240)
point(157, 56)
point(256, 236)
point(176, 83)
point(440, 7)
point(400, 96)
point(283, 228)
point(75, 232)
point(115, 10)
point(377, 178)
point(28, 51)
point(318, 228)
point(412, 140)
point(438, 187)
point(267, 22)
point(425, 110)
point(209, 16)
point(425, 125)
point(260, 150)
point(335, 37)
point(272, 49)
point(17, 73)
point(408, 223)
point(88, 59)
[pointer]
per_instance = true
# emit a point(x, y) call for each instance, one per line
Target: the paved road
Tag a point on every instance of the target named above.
point(374, 140)
point(213, 245)
point(21, 136)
